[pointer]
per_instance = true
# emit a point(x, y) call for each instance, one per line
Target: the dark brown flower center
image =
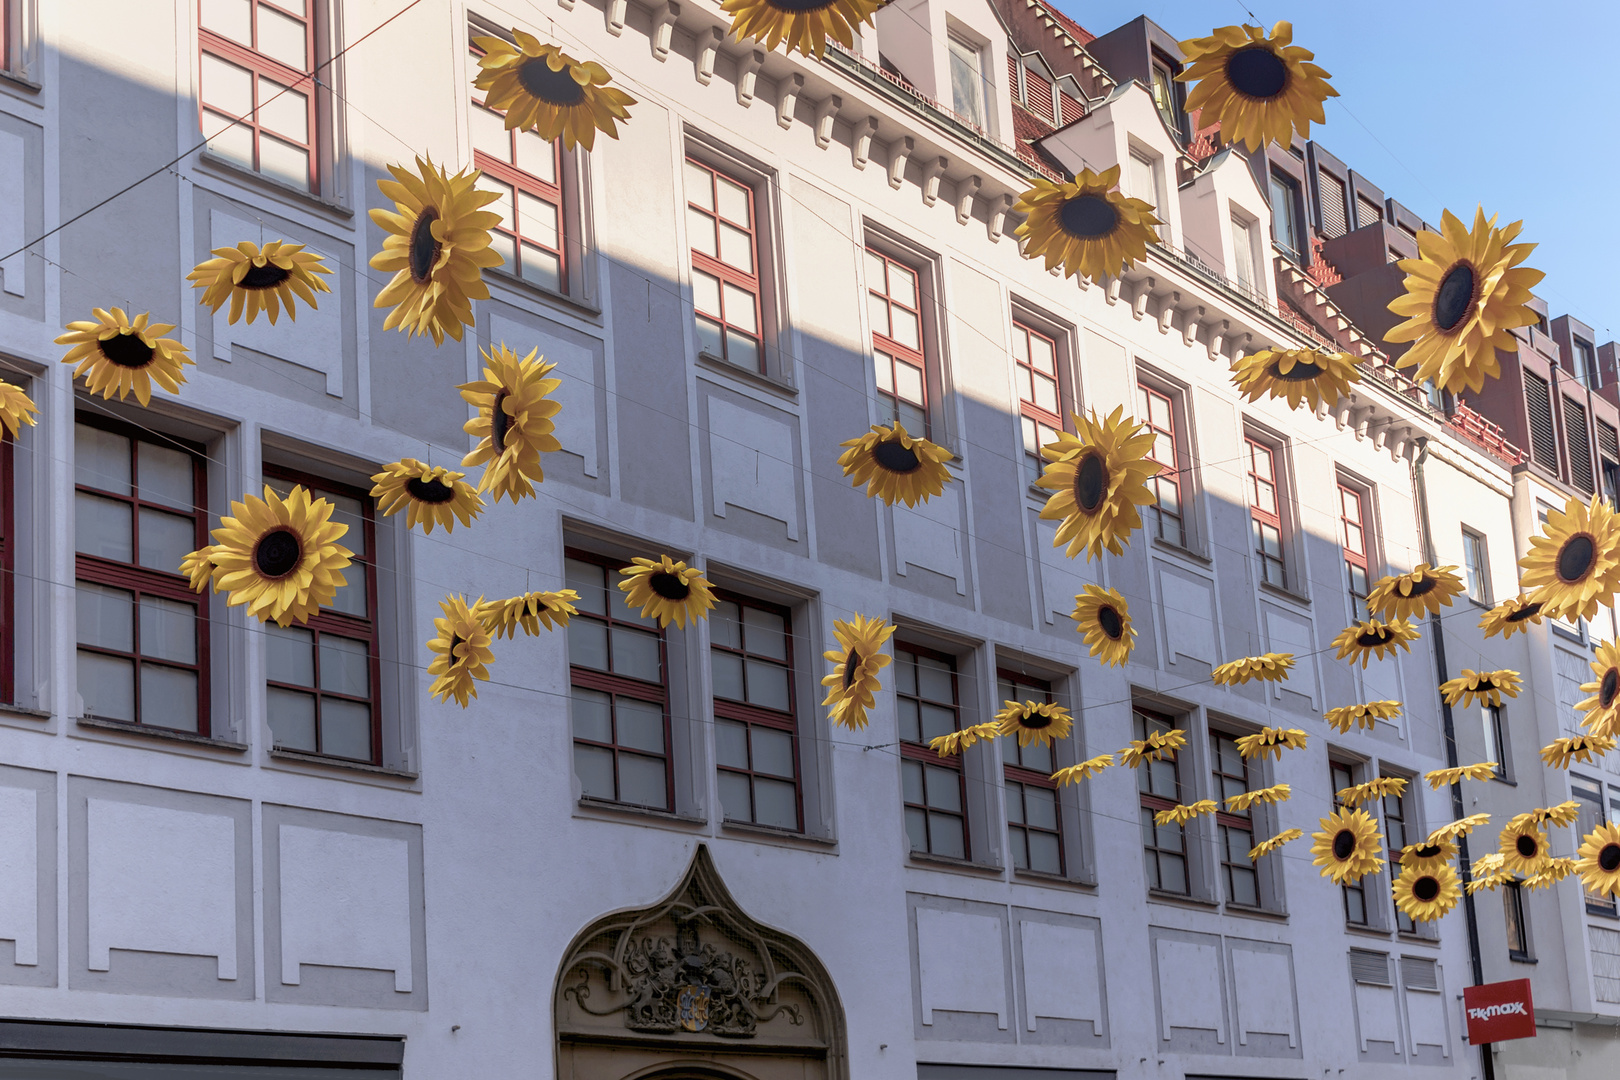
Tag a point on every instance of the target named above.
point(267, 276)
point(1526, 846)
point(455, 643)
point(895, 458)
point(278, 553)
point(669, 586)
point(1036, 721)
point(1369, 638)
point(552, 87)
point(1608, 859)
point(430, 491)
point(1575, 558)
point(799, 7)
point(1454, 297)
point(1302, 371)
point(127, 350)
point(1425, 888)
point(499, 422)
point(1423, 586)
point(852, 665)
point(1257, 72)
point(1090, 482)
point(1344, 843)
point(425, 248)
point(1428, 851)
point(1527, 612)
point(1111, 623)
point(1088, 217)
point(1608, 686)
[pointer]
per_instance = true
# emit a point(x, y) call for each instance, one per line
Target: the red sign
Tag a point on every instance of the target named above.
point(1499, 1011)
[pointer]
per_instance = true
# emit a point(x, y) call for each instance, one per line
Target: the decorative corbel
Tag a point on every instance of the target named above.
point(966, 191)
point(1139, 305)
point(861, 145)
point(748, 75)
point(566, 5)
point(899, 153)
point(1217, 339)
point(1167, 315)
point(1341, 412)
point(663, 28)
point(998, 215)
point(615, 10)
point(1112, 292)
point(932, 171)
point(787, 96)
point(1189, 332)
point(708, 47)
point(826, 113)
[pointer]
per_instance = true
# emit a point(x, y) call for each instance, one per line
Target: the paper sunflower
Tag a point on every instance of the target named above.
point(1098, 477)
point(1465, 293)
point(197, 567)
point(953, 743)
point(1426, 894)
point(667, 590)
point(1034, 721)
point(1365, 640)
point(1259, 88)
point(1271, 742)
point(1104, 620)
point(1088, 226)
point(1421, 855)
point(513, 422)
point(1480, 770)
point(1524, 848)
point(1575, 565)
point(856, 663)
point(461, 652)
point(1488, 873)
point(429, 496)
point(1485, 687)
point(1276, 793)
point(1598, 861)
point(804, 25)
point(1267, 846)
point(1461, 827)
point(1181, 814)
point(1083, 771)
point(1160, 746)
point(529, 612)
point(16, 408)
point(895, 465)
point(1565, 813)
point(1560, 752)
point(1408, 596)
point(117, 354)
point(1556, 870)
point(260, 279)
point(437, 245)
point(280, 557)
point(1602, 714)
point(540, 86)
point(1268, 667)
point(1296, 375)
point(1347, 848)
point(1365, 715)
point(1376, 788)
point(1514, 613)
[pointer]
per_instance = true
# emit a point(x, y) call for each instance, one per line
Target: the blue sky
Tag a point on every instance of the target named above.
point(1471, 102)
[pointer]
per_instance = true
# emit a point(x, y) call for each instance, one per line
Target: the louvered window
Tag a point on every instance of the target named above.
point(1418, 973)
point(1071, 108)
point(1608, 441)
point(1334, 208)
point(1368, 967)
point(1578, 439)
point(1538, 408)
point(1367, 212)
point(1609, 460)
point(1038, 94)
point(1012, 77)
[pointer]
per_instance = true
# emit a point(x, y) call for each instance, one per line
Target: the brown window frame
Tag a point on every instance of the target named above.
point(1151, 803)
point(1032, 417)
point(1261, 518)
point(921, 753)
point(886, 349)
point(753, 716)
point(1169, 474)
point(1397, 818)
point(751, 282)
point(1355, 560)
point(1014, 771)
point(1341, 775)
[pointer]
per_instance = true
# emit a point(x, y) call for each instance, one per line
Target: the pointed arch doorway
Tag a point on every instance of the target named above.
point(692, 988)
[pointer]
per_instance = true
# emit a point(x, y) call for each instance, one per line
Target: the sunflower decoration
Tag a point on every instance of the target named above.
point(1276, 793)
point(529, 613)
point(461, 652)
point(1479, 770)
point(1517, 613)
point(1559, 753)
point(1159, 746)
point(541, 87)
point(16, 408)
point(1274, 843)
point(667, 590)
point(1376, 788)
point(1524, 848)
point(1451, 830)
point(260, 279)
point(953, 743)
point(1484, 687)
point(1035, 721)
point(1180, 814)
point(1260, 88)
point(1098, 477)
point(856, 663)
point(1428, 892)
point(1565, 813)
point(1602, 709)
point(1420, 855)
point(1271, 742)
point(437, 245)
point(1465, 294)
point(1296, 375)
point(1598, 861)
point(1575, 565)
point(197, 567)
point(1267, 667)
point(429, 496)
point(513, 421)
point(803, 25)
point(1488, 873)
point(1408, 596)
point(115, 353)
point(1375, 637)
point(1556, 870)
point(1103, 618)
point(1347, 848)
point(1365, 715)
point(1088, 768)
point(895, 465)
point(280, 557)
point(1087, 226)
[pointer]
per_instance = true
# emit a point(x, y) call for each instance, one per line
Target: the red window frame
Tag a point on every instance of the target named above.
point(890, 356)
point(1153, 800)
point(340, 623)
point(723, 321)
point(1234, 861)
point(138, 580)
point(263, 66)
point(1340, 776)
point(1262, 489)
point(916, 758)
point(1159, 414)
point(8, 562)
point(1038, 424)
point(1396, 837)
point(1026, 767)
point(754, 716)
point(1353, 537)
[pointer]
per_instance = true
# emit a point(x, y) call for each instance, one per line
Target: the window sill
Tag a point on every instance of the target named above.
point(750, 831)
point(166, 734)
point(1181, 552)
point(1606, 913)
point(945, 862)
point(1366, 931)
point(1520, 958)
point(1508, 780)
point(540, 292)
point(1041, 877)
point(1285, 594)
point(1246, 912)
point(229, 170)
point(1159, 896)
point(711, 362)
point(13, 81)
point(281, 754)
point(608, 808)
point(1417, 939)
point(24, 713)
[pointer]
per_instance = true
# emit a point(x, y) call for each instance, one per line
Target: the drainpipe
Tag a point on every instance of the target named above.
point(1438, 639)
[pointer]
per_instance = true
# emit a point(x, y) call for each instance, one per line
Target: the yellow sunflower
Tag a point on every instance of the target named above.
point(1421, 855)
point(1271, 742)
point(1347, 848)
point(280, 557)
point(1514, 613)
point(1267, 667)
point(1602, 709)
point(895, 465)
point(1365, 715)
point(1083, 771)
point(1560, 752)
point(1524, 848)
point(801, 25)
point(513, 421)
point(1465, 293)
point(1098, 477)
point(1485, 687)
point(115, 353)
point(1598, 861)
point(437, 244)
point(1087, 226)
point(1565, 813)
point(1408, 596)
point(1158, 746)
point(198, 567)
point(953, 743)
point(1488, 873)
point(1180, 814)
point(1267, 846)
point(1276, 793)
point(1575, 565)
point(542, 87)
point(856, 664)
point(667, 590)
point(1480, 770)
point(1259, 88)
point(529, 612)
point(1376, 788)
point(16, 408)
point(1556, 870)
point(1296, 375)
point(1427, 893)
point(1461, 827)
point(1375, 637)
point(260, 279)
point(1034, 721)
point(1103, 618)
point(461, 652)
point(429, 496)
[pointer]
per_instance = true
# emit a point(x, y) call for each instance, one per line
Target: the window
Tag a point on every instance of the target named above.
point(720, 224)
point(1243, 263)
point(935, 789)
point(1495, 743)
point(1165, 512)
point(1167, 98)
point(1285, 214)
point(1353, 529)
point(894, 303)
point(8, 563)
point(1578, 443)
point(1265, 512)
point(1586, 368)
point(1040, 407)
point(1158, 783)
point(1334, 208)
point(1589, 794)
point(967, 81)
point(322, 678)
point(756, 747)
point(1396, 837)
point(1608, 440)
point(1475, 567)
point(1341, 776)
point(1518, 928)
point(1231, 777)
point(1144, 183)
point(139, 508)
point(1034, 823)
point(1538, 410)
point(620, 700)
point(257, 86)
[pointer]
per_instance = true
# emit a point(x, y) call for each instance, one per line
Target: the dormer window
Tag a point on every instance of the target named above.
point(967, 81)
point(1168, 96)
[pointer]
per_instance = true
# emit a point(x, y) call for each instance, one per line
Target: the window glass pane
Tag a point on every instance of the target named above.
point(736, 248)
point(289, 655)
point(635, 653)
point(284, 161)
point(283, 39)
point(731, 743)
point(105, 616)
point(166, 477)
point(699, 186)
point(1172, 873)
point(541, 267)
point(945, 836)
point(700, 233)
point(1243, 888)
point(768, 685)
point(908, 385)
point(226, 87)
point(877, 310)
point(934, 680)
point(742, 350)
point(345, 666)
point(910, 726)
point(905, 672)
point(346, 729)
point(1041, 354)
point(107, 685)
point(1040, 806)
point(740, 308)
point(776, 803)
point(537, 157)
point(904, 328)
point(502, 204)
point(1043, 853)
point(639, 724)
point(231, 141)
point(594, 767)
point(936, 722)
point(168, 697)
point(587, 644)
point(903, 284)
point(292, 719)
point(230, 18)
point(911, 781)
point(883, 371)
point(165, 539)
point(944, 787)
point(735, 800)
point(711, 339)
point(875, 275)
point(1015, 802)
point(706, 293)
point(100, 459)
point(351, 598)
point(590, 581)
point(917, 829)
point(539, 219)
point(725, 625)
point(773, 751)
point(489, 134)
point(168, 630)
point(102, 527)
point(284, 111)
point(641, 781)
point(728, 675)
point(1046, 395)
point(503, 245)
point(592, 712)
point(733, 201)
point(1034, 756)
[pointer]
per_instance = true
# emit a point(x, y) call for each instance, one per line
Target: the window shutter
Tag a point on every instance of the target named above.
point(1418, 973)
point(1608, 441)
point(1334, 208)
point(1071, 108)
point(1578, 440)
point(1368, 967)
point(1367, 211)
point(1012, 77)
point(1538, 407)
point(1039, 91)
